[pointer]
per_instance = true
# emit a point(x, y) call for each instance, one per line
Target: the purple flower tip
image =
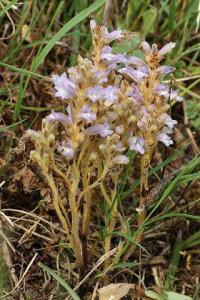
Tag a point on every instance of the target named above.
point(137, 144)
point(121, 159)
point(58, 116)
point(87, 114)
point(66, 150)
point(108, 94)
point(102, 129)
point(137, 75)
point(164, 137)
point(165, 49)
point(65, 87)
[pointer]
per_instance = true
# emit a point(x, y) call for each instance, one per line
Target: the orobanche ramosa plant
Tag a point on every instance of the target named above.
point(114, 103)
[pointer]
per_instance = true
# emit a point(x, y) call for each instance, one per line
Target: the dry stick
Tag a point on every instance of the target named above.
point(189, 132)
point(35, 217)
point(99, 262)
point(106, 13)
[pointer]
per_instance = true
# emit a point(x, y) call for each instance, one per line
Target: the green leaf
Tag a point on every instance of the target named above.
point(4, 275)
point(60, 280)
point(21, 71)
point(153, 295)
point(149, 20)
point(167, 296)
point(125, 265)
point(176, 296)
point(128, 45)
point(172, 13)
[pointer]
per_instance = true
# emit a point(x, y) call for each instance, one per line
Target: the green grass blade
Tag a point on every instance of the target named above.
point(54, 18)
point(153, 171)
point(60, 280)
point(11, 126)
point(68, 26)
point(22, 71)
point(175, 182)
point(172, 13)
point(7, 7)
point(20, 98)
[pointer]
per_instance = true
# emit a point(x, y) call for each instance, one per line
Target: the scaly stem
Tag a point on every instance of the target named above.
point(75, 216)
point(87, 202)
point(56, 203)
point(72, 188)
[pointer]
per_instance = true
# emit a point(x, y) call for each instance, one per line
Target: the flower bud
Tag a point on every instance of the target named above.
point(102, 147)
point(93, 156)
point(119, 129)
point(132, 119)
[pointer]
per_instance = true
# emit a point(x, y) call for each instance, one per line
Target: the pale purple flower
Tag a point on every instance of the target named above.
point(70, 114)
point(94, 93)
point(33, 133)
point(93, 24)
point(108, 94)
point(165, 91)
point(65, 87)
point(168, 47)
point(164, 137)
point(74, 74)
point(167, 120)
point(137, 75)
point(175, 96)
point(135, 94)
point(144, 118)
point(137, 144)
point(121, 159)
point(119, 129)
point(146, 47)
point(98, 76)
point(111, 58)
point(118, 147)
point(111, 36)
point(134, 60)
point(153, 50)
point(102, 129)
point(59, 117)
point(87, 114)
point(107, 36)
point(66, 150)
point(105, 50)
point(162, 90)
point(163, 70)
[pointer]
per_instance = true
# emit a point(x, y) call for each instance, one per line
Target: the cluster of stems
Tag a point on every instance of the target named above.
point(112, 103)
